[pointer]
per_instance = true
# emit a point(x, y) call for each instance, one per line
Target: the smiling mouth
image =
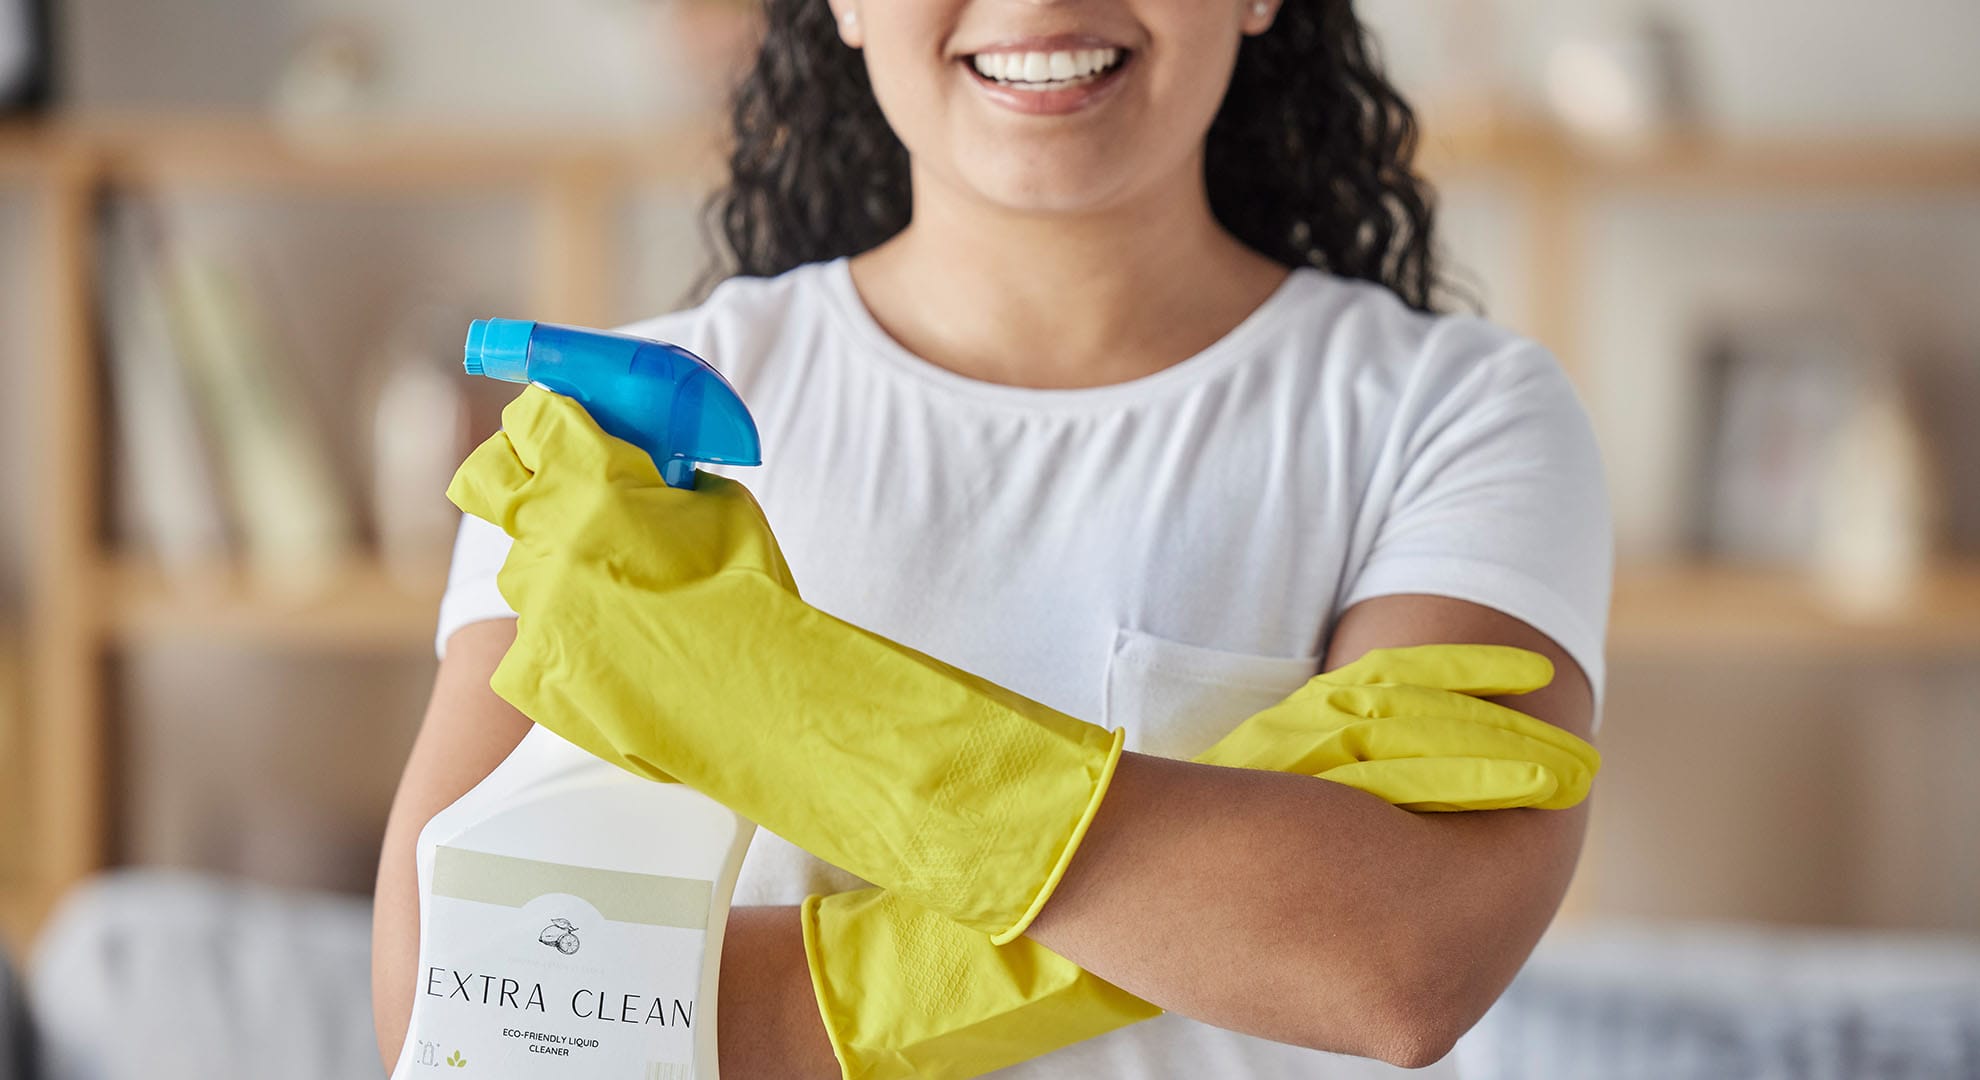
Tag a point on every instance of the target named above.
point(1043, 72)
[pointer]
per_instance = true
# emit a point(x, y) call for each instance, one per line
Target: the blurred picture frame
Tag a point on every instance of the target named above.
point(27, 56)
point(1813, 456)
point(1774, 390)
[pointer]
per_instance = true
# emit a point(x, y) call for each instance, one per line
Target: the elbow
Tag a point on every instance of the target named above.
point(1414, 1035)
point(1419, 1038)
point(1411, 1022)
point(1420, 1020)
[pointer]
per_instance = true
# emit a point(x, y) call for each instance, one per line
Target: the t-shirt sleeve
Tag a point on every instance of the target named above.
point(1495, 495)
point(480, 548)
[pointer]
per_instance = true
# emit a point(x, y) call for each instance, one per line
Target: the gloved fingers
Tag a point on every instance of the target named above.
point(1287, 740)
point(547, 427)
point(488, 483)
point(1446, 784)
point(1478, 670)
point(1371, 723)
point(730, 501)
point(530, 573)
point(1437, 721)
point(520, 682)
point(1375, 702)
point(495, 483)
point(554, 481)
point(1524, 743)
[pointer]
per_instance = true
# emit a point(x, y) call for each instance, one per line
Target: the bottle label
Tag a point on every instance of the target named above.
point(534, 969)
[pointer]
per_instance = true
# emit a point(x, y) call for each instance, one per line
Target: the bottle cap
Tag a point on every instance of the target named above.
point(499, 349)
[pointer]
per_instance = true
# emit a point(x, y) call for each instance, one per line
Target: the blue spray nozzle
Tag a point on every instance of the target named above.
point(659, 397)
point(499, 348)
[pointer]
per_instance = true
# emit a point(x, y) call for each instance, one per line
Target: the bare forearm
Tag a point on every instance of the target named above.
point(1303, 911)
point(465, 735)
point(769, 1026)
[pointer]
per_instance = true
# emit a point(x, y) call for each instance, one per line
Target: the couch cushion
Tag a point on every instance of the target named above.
point(163, 975)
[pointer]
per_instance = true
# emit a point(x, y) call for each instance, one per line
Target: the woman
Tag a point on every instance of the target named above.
point(1094, 350)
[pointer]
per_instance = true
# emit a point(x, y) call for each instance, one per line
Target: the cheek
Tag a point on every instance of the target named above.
point(1190, 66)
point(908, 98)
point(903, 56)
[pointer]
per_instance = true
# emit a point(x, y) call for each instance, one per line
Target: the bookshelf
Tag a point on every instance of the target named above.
point(1690, 611)
point(88, 603)
point(360, 610)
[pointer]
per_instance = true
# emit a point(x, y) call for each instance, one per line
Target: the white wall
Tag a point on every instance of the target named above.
point(487, 61)
point(221, 53)
point(1764, 65)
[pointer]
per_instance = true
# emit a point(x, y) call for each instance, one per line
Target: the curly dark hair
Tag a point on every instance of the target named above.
point(1310, 160)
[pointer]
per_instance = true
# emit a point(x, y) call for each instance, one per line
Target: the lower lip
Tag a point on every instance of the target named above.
point(1070, 99)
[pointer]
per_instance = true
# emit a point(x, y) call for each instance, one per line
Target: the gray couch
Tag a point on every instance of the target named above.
point(17, 1035)
point(206, 980)
point(1730, 1002)
point(212, 980)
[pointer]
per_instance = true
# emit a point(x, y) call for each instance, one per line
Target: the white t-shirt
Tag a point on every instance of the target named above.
point(1167, 554)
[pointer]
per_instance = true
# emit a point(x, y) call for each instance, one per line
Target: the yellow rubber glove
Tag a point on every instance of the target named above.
point(659, 629)
point(907, 993)
point(1411, 727)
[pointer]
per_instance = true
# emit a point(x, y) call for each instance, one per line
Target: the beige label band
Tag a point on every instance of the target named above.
point(648, 899)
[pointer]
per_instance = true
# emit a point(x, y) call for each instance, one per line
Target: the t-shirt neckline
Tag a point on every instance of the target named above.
point(1205, 364)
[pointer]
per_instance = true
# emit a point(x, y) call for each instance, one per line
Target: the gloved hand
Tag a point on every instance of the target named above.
point(907, 993)
point(1411, 727)
point(659, 629)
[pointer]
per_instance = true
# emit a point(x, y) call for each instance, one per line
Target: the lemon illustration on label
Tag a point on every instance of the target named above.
point(561, 936)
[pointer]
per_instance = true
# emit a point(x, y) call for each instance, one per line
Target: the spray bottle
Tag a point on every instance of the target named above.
point(571, 914)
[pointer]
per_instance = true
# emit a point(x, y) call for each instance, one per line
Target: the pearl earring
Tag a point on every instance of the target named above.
point(849, 20)
point(1261, 9)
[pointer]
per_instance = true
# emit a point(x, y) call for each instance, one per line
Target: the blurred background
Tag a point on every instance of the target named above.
point(239, 242)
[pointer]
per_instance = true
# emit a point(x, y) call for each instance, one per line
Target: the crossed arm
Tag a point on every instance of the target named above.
point(1286, 907)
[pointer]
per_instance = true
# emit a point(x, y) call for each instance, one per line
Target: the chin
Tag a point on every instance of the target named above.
point(1060, 188)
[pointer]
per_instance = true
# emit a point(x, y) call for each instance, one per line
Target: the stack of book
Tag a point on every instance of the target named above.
point(220, 462)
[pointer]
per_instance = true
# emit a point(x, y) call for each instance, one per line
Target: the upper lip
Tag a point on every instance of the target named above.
point(1045, 43)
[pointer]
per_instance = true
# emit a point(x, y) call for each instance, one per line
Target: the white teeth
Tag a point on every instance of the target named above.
point(1044, 68)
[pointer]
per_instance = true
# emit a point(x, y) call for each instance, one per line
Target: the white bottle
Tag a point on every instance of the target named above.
point(570, 924)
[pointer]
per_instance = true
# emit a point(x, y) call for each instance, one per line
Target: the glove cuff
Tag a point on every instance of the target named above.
point(906, 994)
point(1078, 836)
point(814, 962)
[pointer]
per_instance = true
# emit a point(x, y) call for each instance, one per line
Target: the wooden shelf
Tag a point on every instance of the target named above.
point(23, 154)
point(1665, 610)
point(361, 609)
point(1705, 163)
point(22, 911)
point(1680, 610)
point(1791, 167)
point(248, 151)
